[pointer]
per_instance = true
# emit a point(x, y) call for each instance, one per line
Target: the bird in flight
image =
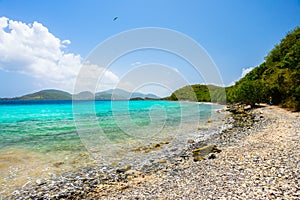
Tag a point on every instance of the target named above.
point(115, 18)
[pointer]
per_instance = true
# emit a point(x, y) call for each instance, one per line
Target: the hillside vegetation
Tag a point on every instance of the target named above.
point(203, 93)
point(278, 77)
point(112, 94)
point(47, 95)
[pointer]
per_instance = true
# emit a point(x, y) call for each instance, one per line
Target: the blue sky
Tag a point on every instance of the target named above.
point(236, 34)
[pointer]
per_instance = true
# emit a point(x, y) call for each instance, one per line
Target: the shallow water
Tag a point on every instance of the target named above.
point(43, 138)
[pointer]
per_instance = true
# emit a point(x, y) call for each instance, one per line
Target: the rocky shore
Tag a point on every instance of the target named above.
point(255, 155)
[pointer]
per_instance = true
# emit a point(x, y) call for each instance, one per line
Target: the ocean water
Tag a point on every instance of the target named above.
point(51, 136)
point(50, 125)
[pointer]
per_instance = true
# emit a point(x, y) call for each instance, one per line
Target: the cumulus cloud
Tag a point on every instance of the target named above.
point(32, 50)
point(66, 42)
point(245, 71)
point(94, 78)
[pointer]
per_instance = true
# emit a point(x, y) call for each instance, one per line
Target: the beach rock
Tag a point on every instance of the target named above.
point(238, 108)
point(190, 141)
point(200, 153)
point(162, 161)
point(124, 169)
point(147, 150)
point(132, 172)
point(233, 109)
point(57, 164)
point(246, 108)
point(198, 158)
point(143, 148)
point(164, 142)
point(38, 181)
point(156, 146)
point(207, 150)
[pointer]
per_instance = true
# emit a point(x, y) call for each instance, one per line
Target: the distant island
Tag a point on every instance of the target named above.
point(112, 94)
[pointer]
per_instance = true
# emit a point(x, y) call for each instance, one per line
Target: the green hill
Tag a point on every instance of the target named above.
point(119, 94)
point(203, 93)
point(278, 77)
point(47, 95)
point(114, 94)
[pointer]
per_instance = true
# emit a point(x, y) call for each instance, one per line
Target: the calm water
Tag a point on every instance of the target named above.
point(50, 125)
point(43, 137)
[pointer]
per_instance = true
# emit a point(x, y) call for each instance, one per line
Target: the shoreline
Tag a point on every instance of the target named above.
point(128, 182)
point(22, 166)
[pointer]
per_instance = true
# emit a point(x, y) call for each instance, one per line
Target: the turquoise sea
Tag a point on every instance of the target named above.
point(50, 126)
point(54, 135)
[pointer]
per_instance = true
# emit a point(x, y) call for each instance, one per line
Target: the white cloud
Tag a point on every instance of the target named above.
point(66, 42)
point(92, 77)
point(136, 63)
point(245, 71)
point(32, 50)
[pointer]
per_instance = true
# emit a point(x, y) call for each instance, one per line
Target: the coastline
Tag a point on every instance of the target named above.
point(251, 145)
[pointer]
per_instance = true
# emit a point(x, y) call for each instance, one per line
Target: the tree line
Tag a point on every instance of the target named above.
point(277, 78)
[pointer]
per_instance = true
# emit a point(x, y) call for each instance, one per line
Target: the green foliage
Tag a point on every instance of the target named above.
point(185, 94)
point(231, 94)
point(251, 92)
point(217, 94)
point(173, 97)
point(278, 76)
point(47, 95)
point(203, 93)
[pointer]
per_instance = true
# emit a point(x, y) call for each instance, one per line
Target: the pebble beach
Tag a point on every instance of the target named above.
point(255, 155)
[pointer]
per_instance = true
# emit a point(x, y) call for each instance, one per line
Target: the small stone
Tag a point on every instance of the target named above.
point(198, 158)
point(155, 146)
point(57, 164)
point(162, 161)
point(190, 141)
point(147, 150)
point(124, 169)
point(132, 172)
